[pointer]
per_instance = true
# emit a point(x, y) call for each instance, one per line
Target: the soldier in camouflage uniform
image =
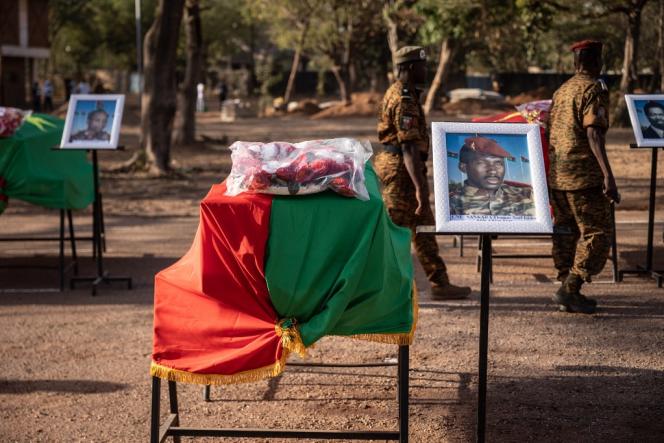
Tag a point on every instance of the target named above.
point(581, 182)
point(485, 192)
point(401, 166)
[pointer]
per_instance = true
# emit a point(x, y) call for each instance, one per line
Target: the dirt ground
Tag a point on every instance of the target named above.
point(75, 367)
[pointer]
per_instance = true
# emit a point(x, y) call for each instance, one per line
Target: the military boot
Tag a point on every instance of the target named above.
point(574, 285)
point(449, 292)
point(569, 299)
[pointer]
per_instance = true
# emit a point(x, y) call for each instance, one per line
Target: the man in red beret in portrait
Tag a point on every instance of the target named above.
point(485, 192)
point(581, 183)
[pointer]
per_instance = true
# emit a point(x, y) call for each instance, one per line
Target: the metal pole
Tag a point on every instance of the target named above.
point(61, 258)
point(402, 384)
point(173, 401)
point(484, 336)
point(154, 410)
point(72, 241)
point(614, 246)
point(96, 214)
point(651, 208)
point(139, 47)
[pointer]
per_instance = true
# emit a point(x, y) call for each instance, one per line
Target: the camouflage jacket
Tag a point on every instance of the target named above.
point(509, 200)
point(580, 102)
point(401, 118)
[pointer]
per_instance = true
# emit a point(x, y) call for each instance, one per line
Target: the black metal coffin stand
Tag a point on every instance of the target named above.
point(171, 427)
point(62, 267)
point(648, 270)
point(98, 238)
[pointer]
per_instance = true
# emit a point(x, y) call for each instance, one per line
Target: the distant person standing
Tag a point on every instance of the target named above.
point(200, 97)
point(223, 94)
point(99, 88)
point(582, 186)
point(83, 87)
point(36, 97)
point(69, 87)
point(48, 95)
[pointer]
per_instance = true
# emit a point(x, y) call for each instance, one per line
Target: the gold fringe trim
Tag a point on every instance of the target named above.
point(157, 370)
point(290, 336)
point(394, 339)
point(291, 342)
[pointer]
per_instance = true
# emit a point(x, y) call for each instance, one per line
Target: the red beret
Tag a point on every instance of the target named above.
point(586, 44)
point(486, 146)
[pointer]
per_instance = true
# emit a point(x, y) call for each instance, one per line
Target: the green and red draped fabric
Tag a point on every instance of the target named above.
point(517, 117)
point(32, 171)
point(268, 275)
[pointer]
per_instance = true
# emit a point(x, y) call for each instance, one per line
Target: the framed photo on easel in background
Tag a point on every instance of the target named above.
point(646, 113)
point(93, 122)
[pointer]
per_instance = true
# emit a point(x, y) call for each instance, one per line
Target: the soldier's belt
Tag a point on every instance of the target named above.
point(393, 149)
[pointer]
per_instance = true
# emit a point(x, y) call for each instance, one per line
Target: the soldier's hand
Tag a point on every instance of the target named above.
point(611, 190)
point(422, 199)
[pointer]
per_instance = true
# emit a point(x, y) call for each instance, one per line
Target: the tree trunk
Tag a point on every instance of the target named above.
point(661, 46)
point(342, 81)
point(296, 63)
point(185, 123)
point(159, 93)
point(347, 61)
point(392, 37)
point(630, 56)
point(252, 80)
point(447, 49)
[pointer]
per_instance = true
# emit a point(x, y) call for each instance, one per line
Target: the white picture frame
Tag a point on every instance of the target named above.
point(93, 121)
point(646, 136)
point(448, 138)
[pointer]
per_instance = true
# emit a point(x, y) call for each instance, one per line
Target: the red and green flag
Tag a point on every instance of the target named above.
point(30, 170)
point(269, 275)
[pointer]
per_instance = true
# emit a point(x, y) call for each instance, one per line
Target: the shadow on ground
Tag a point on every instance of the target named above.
point(60, 386)
point(35, 280)
point(592, 405)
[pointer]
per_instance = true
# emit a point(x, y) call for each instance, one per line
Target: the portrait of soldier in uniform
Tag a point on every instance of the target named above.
point(96, 127)
point(485, 190)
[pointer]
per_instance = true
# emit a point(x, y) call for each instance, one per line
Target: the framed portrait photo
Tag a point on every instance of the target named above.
point(489, 178)
point(93, 122)
point(646, 113)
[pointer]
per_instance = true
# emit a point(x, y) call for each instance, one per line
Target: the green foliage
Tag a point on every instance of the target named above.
point(231, 28)
point(492, 35)
point(267, 74)
point(455, 19)
point(346, 28)
point(95, 34)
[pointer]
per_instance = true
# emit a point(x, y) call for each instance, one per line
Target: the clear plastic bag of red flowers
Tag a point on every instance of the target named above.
point(300, 168)
point(11, 120)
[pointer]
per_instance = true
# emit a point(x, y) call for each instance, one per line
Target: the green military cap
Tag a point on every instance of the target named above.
point(410, 54)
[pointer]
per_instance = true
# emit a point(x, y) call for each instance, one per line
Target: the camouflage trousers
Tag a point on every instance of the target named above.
point(587, 213)
point(399, 197)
